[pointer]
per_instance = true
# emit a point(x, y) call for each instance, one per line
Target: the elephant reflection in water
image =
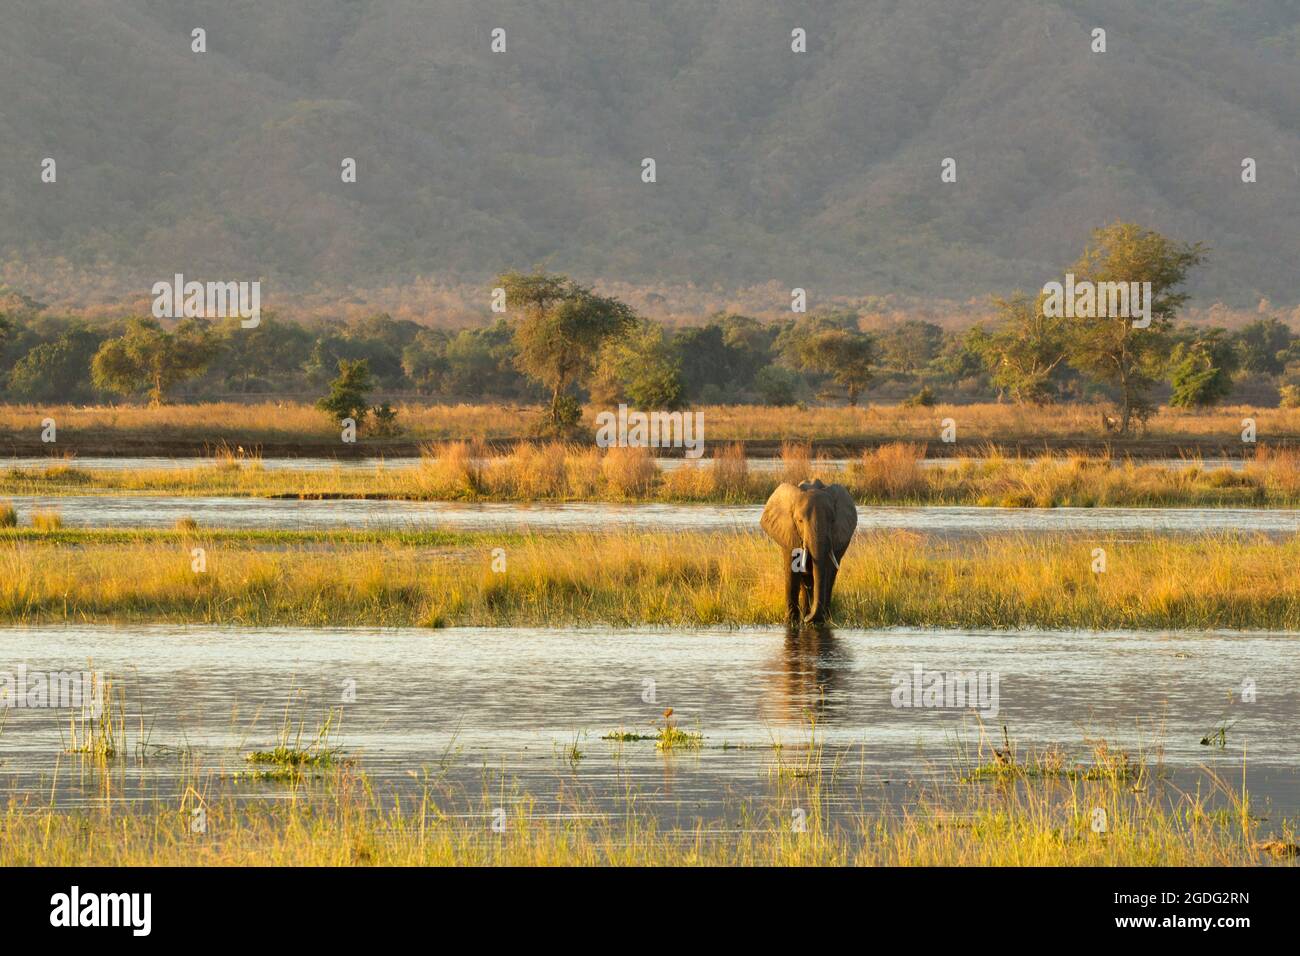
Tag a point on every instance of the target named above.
point(806, 676)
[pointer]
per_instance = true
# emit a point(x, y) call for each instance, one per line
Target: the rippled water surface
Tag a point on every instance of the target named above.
point(505, 709)
point(161, 511)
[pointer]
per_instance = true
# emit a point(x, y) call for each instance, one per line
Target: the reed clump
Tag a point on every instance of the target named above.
point(47, 520)
point(891, 472)
point(629, 472)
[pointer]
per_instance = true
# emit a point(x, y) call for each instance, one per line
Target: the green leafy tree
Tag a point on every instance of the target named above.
point(910, 346)
point(559, 332)
point(639, 367)
point(723, 356)
point(789, 342)
point(1201, 370)
point(149, 359)
point(1264, 346)
point(266, 358)
point(776, 385)
point(1024, 350)
point(961, 360)
point(424, 360)
point(56, 371)
point(481, 362)
point(1111, 351)
point(349, 395)
point(847, 358)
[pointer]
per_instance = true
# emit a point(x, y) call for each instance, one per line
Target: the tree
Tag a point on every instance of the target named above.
point(639, 367)
point(349, 395)
point(776, 385)
point(1111, 350)
point(261, 359)
point(1024, 349)
point(56, 371)
point(723, 356)
point(1201, 370)
point(424, 361)
point(147, 358)
point(559, 334)
point(847, 357)
point(481, 362)
point(1263, 345)
point(962, 359)
point(789, 342)
point(704, 358)
point(910, 346)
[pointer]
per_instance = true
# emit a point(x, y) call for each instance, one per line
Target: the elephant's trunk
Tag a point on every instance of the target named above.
point(821, 589)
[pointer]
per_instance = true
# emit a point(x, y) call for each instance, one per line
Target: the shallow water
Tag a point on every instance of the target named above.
point(163, 511)
point(473, 707)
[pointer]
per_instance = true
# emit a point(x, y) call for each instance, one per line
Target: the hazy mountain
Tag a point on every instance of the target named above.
point(818, 169)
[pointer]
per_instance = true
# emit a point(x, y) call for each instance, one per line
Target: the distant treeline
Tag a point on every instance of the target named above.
point(558, 339)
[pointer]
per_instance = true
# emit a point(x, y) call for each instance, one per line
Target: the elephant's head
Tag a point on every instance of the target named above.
point(821, 520)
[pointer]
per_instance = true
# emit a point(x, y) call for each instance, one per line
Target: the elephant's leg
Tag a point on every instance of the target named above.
point(831, 572)
point(820, 589)
point(805, 594)
point(791, 594)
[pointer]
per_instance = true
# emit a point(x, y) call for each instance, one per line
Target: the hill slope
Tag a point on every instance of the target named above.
point(819, 170)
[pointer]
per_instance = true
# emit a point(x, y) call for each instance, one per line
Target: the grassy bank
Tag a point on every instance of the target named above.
point(638, 578)
point(892, 474)
point(342, 822)
point(299, 429)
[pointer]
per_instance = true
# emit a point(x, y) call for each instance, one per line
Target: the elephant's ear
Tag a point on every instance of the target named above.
point(846, 518)
point(778, 520)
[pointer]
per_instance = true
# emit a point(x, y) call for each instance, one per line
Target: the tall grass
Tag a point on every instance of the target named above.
point(347, 821)
point(890, 474)
point(47, 520)
point(663, 579)
point(247, 425)
point(731, 472)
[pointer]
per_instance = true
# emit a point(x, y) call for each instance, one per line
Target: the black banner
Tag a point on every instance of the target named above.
point(338, 905)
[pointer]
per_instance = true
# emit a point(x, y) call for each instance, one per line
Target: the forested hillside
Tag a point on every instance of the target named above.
point(818, 169)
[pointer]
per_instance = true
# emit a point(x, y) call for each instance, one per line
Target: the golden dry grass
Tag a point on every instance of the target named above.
point(247, 425)
point(641, 578)
point(890, 474)
point(345, 821)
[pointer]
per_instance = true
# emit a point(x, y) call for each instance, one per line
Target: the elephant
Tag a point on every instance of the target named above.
point(814, 523)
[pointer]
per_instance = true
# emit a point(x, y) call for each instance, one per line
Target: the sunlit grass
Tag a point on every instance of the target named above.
point(236, 425)
point(636, 578)
point(891, 474)
point(345, 821)
point(1109, 808)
